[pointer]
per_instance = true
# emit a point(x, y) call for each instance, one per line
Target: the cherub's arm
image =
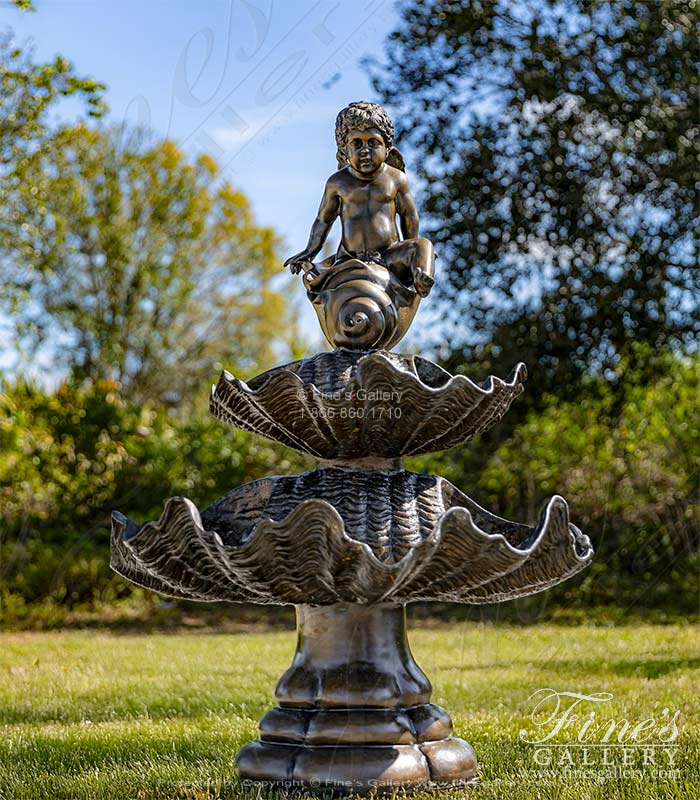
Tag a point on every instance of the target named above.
point(327, 214)
point(408, 216)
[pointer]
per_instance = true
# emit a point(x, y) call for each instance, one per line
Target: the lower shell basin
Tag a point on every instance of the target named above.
point(335, 535)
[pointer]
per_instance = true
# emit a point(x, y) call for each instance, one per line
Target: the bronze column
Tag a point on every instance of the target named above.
point(354, 710)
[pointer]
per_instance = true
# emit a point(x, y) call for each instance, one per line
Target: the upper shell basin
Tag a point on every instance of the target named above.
point(352, 404)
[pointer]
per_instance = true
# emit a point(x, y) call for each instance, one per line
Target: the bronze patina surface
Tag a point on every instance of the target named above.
point(334, 535)
point(336, 406)
point(354, 709)
point(367, 294)
point(352, 542)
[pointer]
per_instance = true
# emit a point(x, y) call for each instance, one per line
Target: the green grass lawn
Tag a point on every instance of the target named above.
point(93, 715)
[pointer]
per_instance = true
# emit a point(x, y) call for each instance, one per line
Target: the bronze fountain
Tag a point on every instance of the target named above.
point(352, 542)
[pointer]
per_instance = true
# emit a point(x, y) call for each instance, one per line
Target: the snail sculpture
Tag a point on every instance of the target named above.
point(362, 306)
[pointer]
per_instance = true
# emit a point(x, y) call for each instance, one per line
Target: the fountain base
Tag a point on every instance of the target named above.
point(353, 710)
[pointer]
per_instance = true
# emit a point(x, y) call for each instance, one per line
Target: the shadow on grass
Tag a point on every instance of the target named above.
point(653, 668)
point(109, 708)
point(234, 618)
point(640, 667)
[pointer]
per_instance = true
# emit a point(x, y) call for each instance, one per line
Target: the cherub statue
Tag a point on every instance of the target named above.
point(368, 191)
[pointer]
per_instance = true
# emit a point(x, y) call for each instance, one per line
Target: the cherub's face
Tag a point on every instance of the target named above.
point(365, 150)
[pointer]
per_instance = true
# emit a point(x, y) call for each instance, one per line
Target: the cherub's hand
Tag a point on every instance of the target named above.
point(295, 262)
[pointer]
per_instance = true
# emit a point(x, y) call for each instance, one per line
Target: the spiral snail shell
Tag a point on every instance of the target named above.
point(362, 306)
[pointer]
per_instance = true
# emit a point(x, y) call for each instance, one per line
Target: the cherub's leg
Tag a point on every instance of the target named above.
point(413, 260)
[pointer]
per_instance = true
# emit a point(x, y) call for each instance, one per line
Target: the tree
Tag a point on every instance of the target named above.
point(135, 265)
point(23, 5)
point(27, 91)
point(556, 142)
point(630, 458)
point(70, 457)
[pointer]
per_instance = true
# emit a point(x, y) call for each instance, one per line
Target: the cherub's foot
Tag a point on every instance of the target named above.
point(422, 281)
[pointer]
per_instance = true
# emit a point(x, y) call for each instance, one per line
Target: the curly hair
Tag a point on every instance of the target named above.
point(362, 116)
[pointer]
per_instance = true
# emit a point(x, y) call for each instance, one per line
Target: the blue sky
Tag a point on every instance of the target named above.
point(256, 83)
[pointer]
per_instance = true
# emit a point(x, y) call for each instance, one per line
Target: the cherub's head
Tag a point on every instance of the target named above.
point(364, 134)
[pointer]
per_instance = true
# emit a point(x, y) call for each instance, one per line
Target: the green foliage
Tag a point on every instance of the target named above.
point(27, 91)
point(141, 263)
point(557, 148)
point(629, 453)
point(631, 458)
point(69, 458)
point(557, 144)
point(627, 456)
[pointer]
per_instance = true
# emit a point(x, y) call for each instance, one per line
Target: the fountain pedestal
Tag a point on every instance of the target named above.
point(354, 709)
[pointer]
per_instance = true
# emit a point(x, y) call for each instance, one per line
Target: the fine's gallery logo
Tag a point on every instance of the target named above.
point(576, 732)
point(369, 395)
point(358, 403)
